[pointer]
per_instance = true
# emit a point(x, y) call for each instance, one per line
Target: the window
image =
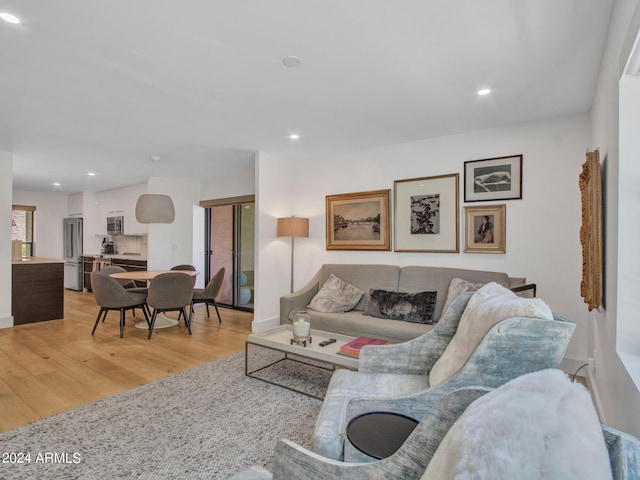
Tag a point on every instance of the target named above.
point(22, 221)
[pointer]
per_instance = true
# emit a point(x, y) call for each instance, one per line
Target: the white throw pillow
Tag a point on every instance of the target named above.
point(539, 426)
point(457, 287)
point(336, 296)
point(486, 307)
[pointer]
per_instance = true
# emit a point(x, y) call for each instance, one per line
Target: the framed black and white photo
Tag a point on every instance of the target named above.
point(497, 178)
point(426, 214)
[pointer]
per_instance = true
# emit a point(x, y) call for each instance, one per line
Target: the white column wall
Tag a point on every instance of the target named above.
point(6, 180)
point(616, 394)
point(542, 229)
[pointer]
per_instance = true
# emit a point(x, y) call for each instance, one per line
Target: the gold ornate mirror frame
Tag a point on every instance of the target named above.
point(591, 231)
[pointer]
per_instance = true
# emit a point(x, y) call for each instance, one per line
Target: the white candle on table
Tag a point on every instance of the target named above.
point(301, 328)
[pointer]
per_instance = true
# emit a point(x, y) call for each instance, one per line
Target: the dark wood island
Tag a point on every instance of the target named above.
point(37, 290)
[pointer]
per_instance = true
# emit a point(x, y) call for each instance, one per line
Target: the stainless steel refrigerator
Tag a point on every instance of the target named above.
point(72, 253)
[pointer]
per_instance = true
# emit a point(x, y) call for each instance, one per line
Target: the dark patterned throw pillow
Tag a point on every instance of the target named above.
point(410, 307)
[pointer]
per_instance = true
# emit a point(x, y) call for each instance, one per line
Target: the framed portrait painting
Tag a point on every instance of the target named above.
point(426, 214)
point(485, 229)
point(493, 179)
point(359, 221)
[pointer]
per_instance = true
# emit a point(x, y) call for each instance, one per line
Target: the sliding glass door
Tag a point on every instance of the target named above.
point(231, 239)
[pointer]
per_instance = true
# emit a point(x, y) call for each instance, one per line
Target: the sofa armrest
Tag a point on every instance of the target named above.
point(298, 299)
point(624, 453)
point(409, 462)
point(415, 356)
point(513, 347)
point(529, 290)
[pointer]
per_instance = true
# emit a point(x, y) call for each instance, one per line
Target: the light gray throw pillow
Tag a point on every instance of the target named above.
point(457, 287)
point(336, 296)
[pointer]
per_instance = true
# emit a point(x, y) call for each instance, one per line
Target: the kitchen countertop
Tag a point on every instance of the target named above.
point(116, 256)
point(33, 260)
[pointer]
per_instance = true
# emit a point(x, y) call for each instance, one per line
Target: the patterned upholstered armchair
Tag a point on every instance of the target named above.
point(527, 428)
point(400, 377)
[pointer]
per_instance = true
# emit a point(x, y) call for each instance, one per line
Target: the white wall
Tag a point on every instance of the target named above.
point(174, 243)
point(617, 395)
point(6, 179)
point(51, 209)
point(542, 229)
point(241, 183)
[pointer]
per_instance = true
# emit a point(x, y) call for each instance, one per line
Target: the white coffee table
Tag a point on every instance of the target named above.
point(279, 339)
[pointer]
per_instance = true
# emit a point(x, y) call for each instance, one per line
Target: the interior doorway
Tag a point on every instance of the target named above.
point(230, 236)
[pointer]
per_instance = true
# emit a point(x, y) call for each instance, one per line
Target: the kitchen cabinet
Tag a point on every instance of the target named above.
point(128, 264)
point(37, 292)
point(87, 268)
point(131, 266)
point(122, 202)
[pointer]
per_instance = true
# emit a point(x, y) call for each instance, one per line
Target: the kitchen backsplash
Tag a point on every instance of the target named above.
point(131, 244)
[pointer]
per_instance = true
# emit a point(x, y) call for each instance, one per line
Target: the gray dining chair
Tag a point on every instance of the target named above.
point(190, 268)
point(109, 294)
point(208, 294)
point(171, 292)
point(129, 285)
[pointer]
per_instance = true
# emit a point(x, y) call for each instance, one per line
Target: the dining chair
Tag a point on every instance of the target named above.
point(109, 294)
point(171, 292)
point(208, 294)
point(191, 268)
point(129, 285)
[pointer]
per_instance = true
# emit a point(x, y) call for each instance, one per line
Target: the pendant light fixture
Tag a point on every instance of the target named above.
point(155, 208)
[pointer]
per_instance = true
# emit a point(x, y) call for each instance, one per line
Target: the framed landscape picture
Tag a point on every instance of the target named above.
point(485, 229)
point(426, 214)
point(493, 179)
point(359, 221)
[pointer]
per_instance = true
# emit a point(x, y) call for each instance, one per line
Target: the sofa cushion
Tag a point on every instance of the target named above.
point(457, 287)
point(437, 279)
point(354, 324)
point(410, 307)
point(539, 425)
point(336, 296)
point(364, 276)
point(489, 305)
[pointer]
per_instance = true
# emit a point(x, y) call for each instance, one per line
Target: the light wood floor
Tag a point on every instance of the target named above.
point(51, 367)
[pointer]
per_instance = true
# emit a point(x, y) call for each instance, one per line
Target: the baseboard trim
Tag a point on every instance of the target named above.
point(571, 366)
point(595, 395)
point(262, 325)
point(6, 322)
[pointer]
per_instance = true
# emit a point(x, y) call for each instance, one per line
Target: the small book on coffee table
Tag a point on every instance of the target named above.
point(352, 348)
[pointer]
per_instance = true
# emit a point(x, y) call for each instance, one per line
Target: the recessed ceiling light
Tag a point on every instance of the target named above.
point(484, 91)
point(56, 184)
point(91, 174)
point(8, 17)
point(292, 62)
point(294, 136)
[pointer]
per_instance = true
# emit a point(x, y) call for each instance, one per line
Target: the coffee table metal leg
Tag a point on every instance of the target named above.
point(286, 357)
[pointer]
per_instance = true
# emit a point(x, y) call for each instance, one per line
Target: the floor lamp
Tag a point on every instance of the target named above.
point(293, 227)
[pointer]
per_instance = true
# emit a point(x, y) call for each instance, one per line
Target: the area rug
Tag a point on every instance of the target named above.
point(207, 422)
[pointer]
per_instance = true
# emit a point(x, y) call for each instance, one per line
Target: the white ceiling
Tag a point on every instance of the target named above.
point(94, 85)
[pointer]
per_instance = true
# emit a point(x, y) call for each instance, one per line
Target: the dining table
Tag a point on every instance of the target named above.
point(162, 321)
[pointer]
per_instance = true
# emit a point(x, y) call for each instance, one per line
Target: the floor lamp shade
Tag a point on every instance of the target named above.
point(293, 227)
point(155, 208)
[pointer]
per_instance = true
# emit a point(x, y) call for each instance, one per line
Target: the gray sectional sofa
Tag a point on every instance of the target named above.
point(385, 277)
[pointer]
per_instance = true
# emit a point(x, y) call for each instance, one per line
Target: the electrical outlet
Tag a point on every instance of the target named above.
point(592, 365)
